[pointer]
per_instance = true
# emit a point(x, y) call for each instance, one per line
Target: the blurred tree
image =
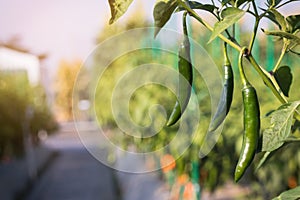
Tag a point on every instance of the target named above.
point(65, 80)
point(16, 96)
point(13, 103)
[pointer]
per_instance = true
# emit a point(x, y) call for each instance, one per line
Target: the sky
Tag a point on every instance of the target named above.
point(64, 29)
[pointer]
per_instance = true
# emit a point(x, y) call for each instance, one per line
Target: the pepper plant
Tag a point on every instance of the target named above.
point(227, 13)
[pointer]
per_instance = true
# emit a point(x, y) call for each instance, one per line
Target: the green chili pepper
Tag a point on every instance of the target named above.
point(251, 124)
point(186, 77)
point(226, 96)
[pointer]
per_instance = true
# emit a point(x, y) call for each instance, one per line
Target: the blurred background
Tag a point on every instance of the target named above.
point(43, 45)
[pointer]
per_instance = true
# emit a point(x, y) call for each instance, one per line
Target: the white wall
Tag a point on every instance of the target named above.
point(15, 60)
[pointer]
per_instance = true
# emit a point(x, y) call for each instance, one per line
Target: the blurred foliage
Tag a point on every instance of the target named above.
point(280, 172)
point(17, 96)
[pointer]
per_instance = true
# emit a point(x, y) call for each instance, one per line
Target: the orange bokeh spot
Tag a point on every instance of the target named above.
point(188, 191)
point(183, 179)
point(292, 181)
point(167, 162)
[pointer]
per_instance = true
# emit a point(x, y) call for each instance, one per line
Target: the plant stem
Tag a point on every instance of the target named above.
point(253, 37)
point(268, 79)
point(255, 8)
point(257, 20)
point(244, 80)
point(283, 51)
point(252, 13)
point(197, 17)
point(226, 57)
point(233, 30)
point(184, 23)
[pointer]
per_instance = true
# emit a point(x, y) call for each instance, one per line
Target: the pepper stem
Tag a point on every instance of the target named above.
point(244, 80)
point(184, 23)
point(226, 57)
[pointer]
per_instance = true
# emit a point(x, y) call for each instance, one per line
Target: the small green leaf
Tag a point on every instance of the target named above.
point(292, 194)
point(294, 22)
point(282, 34)
point(280, 129)
point(118, 8)
point(229, 16)
point(162, 12)
point(284, 79)
point(200, 6)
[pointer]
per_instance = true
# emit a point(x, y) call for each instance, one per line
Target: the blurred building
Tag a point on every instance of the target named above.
point(18, 60)
point(15, 61)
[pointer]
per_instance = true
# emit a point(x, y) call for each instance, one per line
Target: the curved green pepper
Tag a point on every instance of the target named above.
point(226, 96)
point(251, 125)
point(185, 82)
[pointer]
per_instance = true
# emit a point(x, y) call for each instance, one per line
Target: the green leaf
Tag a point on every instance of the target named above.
point(292, 194)
point(294, 22)
point(200, 6)
point(118, 8)
point(284, 79)
point(282, 34)
point(162, 12)
point(280, 129)
point(279, 18)
point(229, 16)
